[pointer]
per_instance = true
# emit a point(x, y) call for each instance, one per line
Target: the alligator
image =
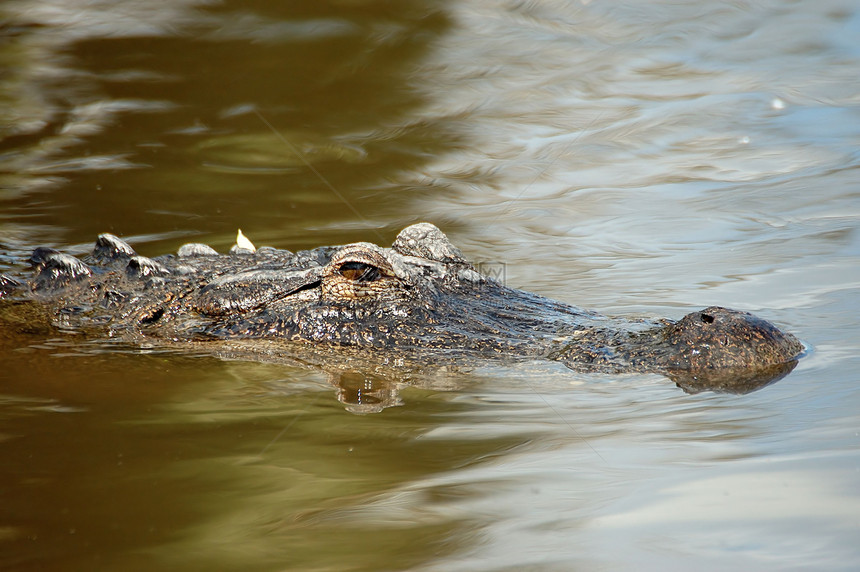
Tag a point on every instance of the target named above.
point(420, 298)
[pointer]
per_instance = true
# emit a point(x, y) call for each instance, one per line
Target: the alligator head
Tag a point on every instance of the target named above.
point(422, 296)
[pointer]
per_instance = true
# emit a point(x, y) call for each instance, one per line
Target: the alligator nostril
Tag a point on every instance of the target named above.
point(707, 318)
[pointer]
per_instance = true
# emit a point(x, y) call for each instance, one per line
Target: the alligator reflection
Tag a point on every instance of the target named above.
point(363, 382)
point(363, 392)
point(367, 382)
point(363, 385)
point(737, 380)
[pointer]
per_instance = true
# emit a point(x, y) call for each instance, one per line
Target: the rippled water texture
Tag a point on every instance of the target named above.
point(639, 158)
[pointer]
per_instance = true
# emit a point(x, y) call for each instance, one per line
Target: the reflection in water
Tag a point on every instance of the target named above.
point(365, 385)
point(732, 380)
point(615, 156)
point(363, 392)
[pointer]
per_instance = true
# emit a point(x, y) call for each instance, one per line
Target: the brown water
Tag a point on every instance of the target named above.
point(639, 158)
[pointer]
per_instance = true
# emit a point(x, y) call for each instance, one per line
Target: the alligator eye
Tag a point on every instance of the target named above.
point(359, 271)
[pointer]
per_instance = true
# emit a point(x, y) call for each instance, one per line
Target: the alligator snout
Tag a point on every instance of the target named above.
point(720, 349)
point(720, 338)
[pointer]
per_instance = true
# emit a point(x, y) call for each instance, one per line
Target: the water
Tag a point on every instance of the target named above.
point(640, 159)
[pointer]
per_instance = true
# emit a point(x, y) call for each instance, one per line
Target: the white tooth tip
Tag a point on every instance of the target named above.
point(243, 242)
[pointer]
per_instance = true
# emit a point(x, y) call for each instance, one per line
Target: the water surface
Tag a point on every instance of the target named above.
point(647, 158)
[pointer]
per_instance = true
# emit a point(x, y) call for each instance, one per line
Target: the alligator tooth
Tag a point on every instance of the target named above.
point(242, 244)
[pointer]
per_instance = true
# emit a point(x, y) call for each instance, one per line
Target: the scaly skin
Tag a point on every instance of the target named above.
point(420, 297)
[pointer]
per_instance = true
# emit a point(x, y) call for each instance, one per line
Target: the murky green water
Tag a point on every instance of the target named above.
point(639, 158)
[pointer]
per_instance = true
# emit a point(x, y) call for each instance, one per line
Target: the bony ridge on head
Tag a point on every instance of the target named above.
point(425, 240)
